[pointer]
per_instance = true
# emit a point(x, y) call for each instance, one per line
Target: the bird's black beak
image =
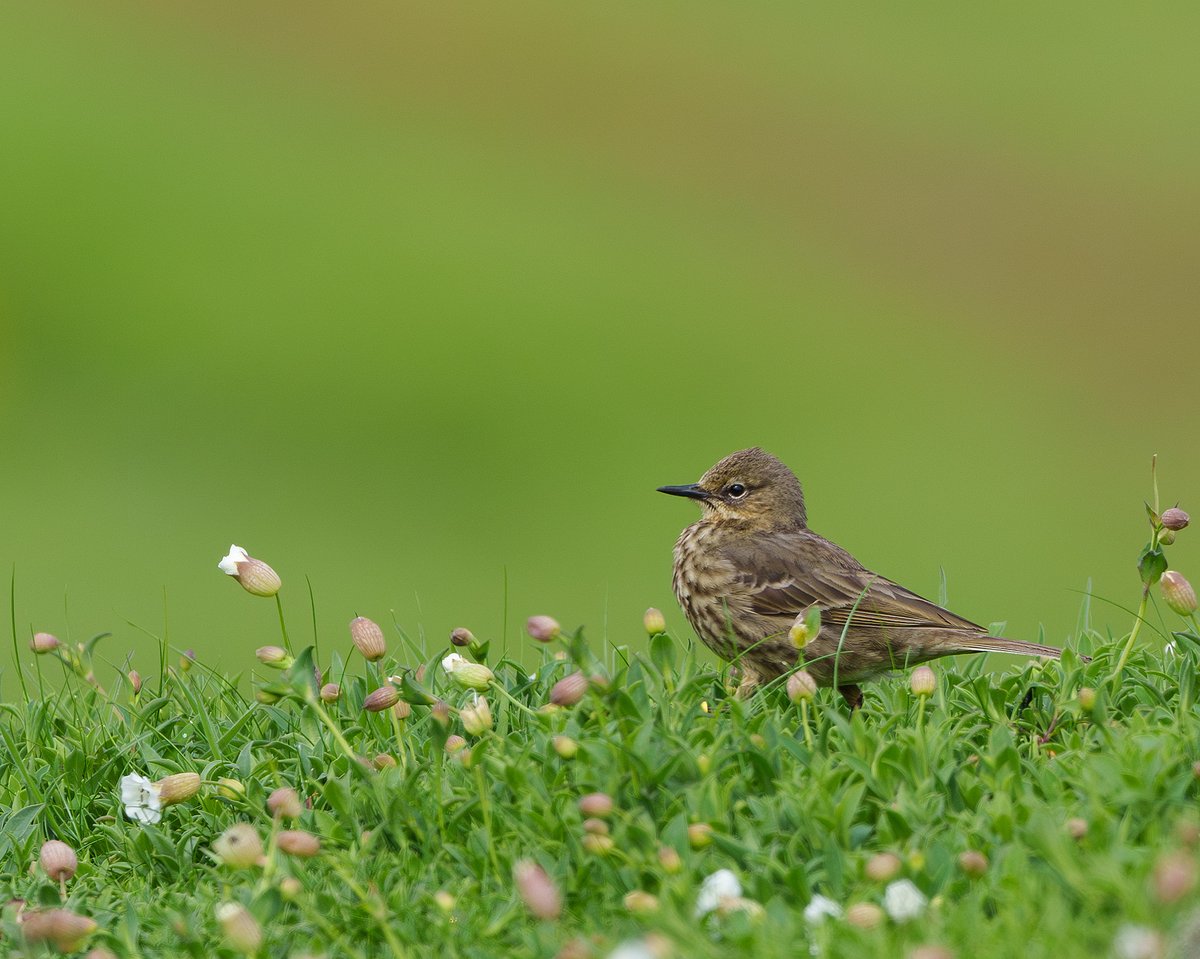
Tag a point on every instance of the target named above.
point(691, 491)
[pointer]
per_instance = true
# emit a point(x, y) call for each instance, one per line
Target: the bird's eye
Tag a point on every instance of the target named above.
point(736, 490)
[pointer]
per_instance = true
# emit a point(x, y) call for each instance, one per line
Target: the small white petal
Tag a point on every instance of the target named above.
point(453, 662)
point(143, 814)
point(1137, 942)
point(634, 949)
point(134, 788)
point(819, 907)
point(721, 885)
point(228, 565)
point(903, 901)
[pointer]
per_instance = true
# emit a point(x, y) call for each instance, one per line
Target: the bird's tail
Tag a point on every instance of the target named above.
point(1017, 647)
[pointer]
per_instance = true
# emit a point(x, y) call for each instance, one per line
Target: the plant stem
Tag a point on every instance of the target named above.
point(1137, 626)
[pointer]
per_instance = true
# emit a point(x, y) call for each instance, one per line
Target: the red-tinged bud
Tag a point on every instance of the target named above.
point(569, 690)
point(640, 902)
point(973, 863)
point(462, 637)
point(239, 846)
point(58, 860)
point(274, 656)
point(455, 744)
point(240, 929)
point(186, 659)
point(440, 712)
point(654, 621)
point(596, 804)
point(883, 867)
point(801, 685)
point(1076, 827)
point(1178, 593)
point(402, 710)
point(44, 643)
point(597, 845)
point(178, 788)
point(1174, 877)
point(537, 890)
point(923, 681)
point(255, 576)
point(699, 835)
point(298, 843)
point(565, 746)
point(865, 915)
point(544, 629)
point(385, 697)
point(135, 681)
point(383, 761)
point(597, 827)
point(64, 930)
point(330, 693)
point(1175, 519)
point(368, 638)
point(931, 952)
point(285, 803)
point(669, 859)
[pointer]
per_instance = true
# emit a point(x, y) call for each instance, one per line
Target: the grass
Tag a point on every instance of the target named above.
point(1076, 783)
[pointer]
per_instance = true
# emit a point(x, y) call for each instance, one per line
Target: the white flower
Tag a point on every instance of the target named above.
point(716, 889)
point(633, 949)
point(820, 907)
point(1137, 942)
point(903, 901)
point(141, 799)
point(1169, 649)
point(229, 564)
point(467, 674)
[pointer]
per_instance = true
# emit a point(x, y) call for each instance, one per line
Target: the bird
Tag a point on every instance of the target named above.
point(750, 570)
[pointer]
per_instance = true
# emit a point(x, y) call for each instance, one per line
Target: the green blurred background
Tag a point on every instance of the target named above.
point(414, 300)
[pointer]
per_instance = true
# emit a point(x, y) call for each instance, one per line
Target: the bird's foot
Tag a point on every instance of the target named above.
point(853, 696)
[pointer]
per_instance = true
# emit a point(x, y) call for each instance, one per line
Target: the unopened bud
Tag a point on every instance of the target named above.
point(230, 788)
point(240, 929)
point(440, 711)
point(462, 637)
point(1174, 877)
point(266, 697)
point(565, 746)
point(883, 867)
point(537, 890)
point(402, 710)
point(569, 690)
point(330, 693)
point(654, 621)
point(239, 846)
point(368, 638)
point(1166, 537)
point(699, 835)
point(1175, 519)
point(455, 744)
point(669, 859)
point(801, 685)
point(44, 643)
point(640, 902)
point(285, 803)
point(255, 576)
point(1087, 697)
point(923, 681)
point(476, 717)
point(1076, 827)
point(58, 860)
point(544, 629)
point(64, 930)
point(186, 659)
point(973, 863)
point(178, 787)
point(385, 697)
point(597, 827)
point(298, 843)
point(290, 888)
point(931, 952)
point(135, 681)
point(597, 845)
point(596, 804)
point(274, 656)
point(864, 915)
point(467, 674)
point(1178, 593)
point(444, 900)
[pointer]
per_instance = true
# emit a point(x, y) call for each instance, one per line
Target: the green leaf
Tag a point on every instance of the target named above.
point(1151, 565)
point(662, 654)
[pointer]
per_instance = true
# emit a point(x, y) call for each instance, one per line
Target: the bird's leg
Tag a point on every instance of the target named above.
point(853, 696)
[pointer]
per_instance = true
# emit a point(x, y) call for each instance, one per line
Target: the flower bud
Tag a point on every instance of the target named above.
point(368, 638)
point(455, 744)
point(1175, 519)
point(255, 576)
point(569, 690)
point(467, 674)
point(537, 890)
point(230, 788)
point(799, 632)
point(385, 697)
point(597, 845)
point(135, 681)
point(1087, 697)
point(801, 685)
point(266, 697)
point(923, 681)
point(565, 746)
point(1178, 593)
point(669, 859)
point(654, 621)
point(444, 900)
point(544, 629)
point(1166, 537)
point(285, 803)
point(640, 902)
point(178, 787)
point(64, 930)
point(864, 915)
point(58, 860)
point(290, 888)
point(240, 929)
point(186, 658)
point(440, 712)
point(597, 827)
point(297, 842)
point(596, 804)
point(931, 952)
point(973, 863)
point(462, 637)
point(330, 693)
point(1174, 877)
point(476, 717)
point(274, 656)
point(239, 846)
point(402, 710)
point(44, 643)
point(99, 952)
point(699, 835)
point(883, 867)
point(1076, 827)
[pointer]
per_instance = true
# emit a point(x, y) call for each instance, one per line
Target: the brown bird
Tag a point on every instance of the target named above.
point(751, 566)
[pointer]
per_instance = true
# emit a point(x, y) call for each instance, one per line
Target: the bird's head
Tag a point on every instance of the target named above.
point(750, 487)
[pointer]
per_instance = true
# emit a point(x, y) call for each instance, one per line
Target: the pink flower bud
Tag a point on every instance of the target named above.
point(239, 846)
point(973, 863)
point(385, 697)
point(177, 788)
point(598, 845)
point(285, 803)
point(1174, 877)
point(801, 685)
point(255, 576)
point(544, 629)
point(1076, 827)
point(596, 804)
point(654, 621)
point(58, 860)
point(274, 656)
point(569, 690)
point(699, 835)
point(1178, 593)
point(330, 693)
point(44, 643)
point(537, 890)
point(297, 842)
point(1175, 519)
point(462, 637)
point(865, 915)
point(61, 928)
point(240, 928)
point(135, 681)
point(883, 867)
point(368, 638)
point(597, 827)
point(924, 681)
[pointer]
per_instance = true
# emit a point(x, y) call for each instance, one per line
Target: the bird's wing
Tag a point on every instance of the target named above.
point(787, 572)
